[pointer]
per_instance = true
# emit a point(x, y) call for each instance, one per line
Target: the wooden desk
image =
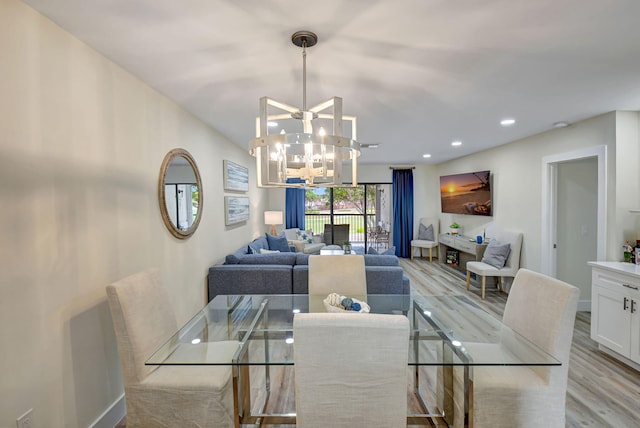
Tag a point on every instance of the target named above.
point(467, 250)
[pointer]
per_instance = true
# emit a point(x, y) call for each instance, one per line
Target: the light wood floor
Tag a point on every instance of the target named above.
point(601, 392)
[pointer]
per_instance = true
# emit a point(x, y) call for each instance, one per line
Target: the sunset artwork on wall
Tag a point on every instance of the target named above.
point(468, 193)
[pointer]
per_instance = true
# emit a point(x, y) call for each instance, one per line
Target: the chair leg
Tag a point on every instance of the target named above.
point(484, 282)
point(468, 278)
point(413, 250)
point(500, 284)
point(430, 254)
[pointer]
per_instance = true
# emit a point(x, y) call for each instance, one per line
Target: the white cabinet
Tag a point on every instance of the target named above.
point(615, 308)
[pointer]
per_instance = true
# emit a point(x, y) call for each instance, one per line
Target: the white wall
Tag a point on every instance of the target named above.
point(82, 142)
point(517, 178)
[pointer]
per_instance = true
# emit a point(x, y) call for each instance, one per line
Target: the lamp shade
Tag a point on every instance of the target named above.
point(273, 217)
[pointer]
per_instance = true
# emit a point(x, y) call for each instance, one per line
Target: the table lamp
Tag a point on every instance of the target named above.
point(273, 218)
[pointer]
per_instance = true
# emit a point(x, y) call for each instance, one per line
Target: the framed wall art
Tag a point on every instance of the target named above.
point(236, 177)
point(236, 209)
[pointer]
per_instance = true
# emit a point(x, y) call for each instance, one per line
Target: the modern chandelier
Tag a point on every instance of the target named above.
point(310, 154)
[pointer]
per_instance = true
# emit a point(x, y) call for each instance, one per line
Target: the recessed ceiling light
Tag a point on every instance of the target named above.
point(507, 122)
point(561, 124)
point(426, 155)
point(456, 143)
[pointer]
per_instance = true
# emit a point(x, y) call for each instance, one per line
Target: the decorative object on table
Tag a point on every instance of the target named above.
point(479, 239)
point(236, 209)
point(347, 247)
point(315, 156)
point(455, 228)
point(273, 218)
point(335, 302)
point(236, 177)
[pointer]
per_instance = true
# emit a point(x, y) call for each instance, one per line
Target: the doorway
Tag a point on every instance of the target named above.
point(574, 217)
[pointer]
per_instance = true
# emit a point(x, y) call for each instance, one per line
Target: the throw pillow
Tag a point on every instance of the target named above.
point(425, 233)
point(496, 254)
point(263, 251)
point(305, 235)
point(390, 252)
point(278, 243)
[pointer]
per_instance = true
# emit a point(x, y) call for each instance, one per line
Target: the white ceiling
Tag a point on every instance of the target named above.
point(418, 74)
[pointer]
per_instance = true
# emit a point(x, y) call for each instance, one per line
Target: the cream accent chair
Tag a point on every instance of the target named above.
point(542, 309)
point(313, 247)
point(424, 244)
point(350, 370)
point(163, 396)
point(511, 266)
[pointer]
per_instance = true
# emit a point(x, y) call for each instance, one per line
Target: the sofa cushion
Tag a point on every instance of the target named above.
point(278, 242)
point(302, 259)
point(380, 260)
point(258, 244)
point(280, 258)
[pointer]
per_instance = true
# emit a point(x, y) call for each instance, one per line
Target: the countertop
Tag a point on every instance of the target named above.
point(619, 267)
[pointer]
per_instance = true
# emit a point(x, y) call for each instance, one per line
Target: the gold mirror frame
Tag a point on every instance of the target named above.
point(166, 163)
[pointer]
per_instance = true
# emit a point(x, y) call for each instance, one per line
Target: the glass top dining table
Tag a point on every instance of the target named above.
point(218, 333)
point(249, 331)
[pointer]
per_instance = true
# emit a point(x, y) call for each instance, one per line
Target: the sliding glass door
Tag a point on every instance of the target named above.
point(366, 209)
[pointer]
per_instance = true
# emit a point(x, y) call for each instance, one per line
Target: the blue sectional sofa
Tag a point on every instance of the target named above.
point(288, 273)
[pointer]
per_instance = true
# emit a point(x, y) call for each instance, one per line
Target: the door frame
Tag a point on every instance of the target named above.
point(549, 204)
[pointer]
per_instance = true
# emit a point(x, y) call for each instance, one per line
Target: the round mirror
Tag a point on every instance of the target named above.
point(180, 193)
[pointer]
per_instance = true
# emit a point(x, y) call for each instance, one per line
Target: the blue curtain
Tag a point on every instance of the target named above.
point(402, 211)
point(294, 201)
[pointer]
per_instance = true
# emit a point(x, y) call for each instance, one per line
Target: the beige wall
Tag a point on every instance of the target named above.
point(81, 144)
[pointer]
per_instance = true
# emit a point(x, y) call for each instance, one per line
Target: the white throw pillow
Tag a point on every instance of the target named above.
point(263, 251)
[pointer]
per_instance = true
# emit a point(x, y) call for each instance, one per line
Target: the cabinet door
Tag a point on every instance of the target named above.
point(635, 331)
point(610, 323)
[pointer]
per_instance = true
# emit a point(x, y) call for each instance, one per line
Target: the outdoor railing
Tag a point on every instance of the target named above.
point(316, 223)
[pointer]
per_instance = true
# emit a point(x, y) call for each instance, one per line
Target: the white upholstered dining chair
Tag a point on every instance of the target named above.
point(350, 370)
point(543, 310)
point(343, 274)
point(162, 396)
point(427, 236)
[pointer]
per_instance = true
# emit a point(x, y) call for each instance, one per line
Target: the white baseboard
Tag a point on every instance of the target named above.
point(112, 415)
